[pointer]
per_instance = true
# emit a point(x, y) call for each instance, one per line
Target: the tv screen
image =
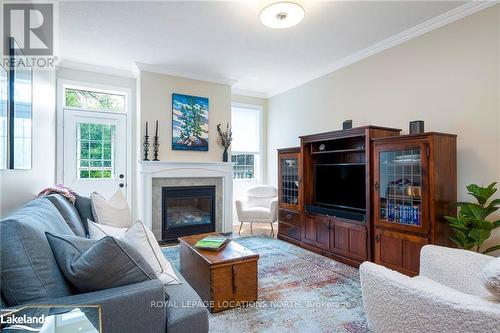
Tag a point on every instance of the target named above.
point(341, 186)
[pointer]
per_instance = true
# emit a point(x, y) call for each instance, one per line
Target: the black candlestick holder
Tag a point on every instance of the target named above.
point(155, 148)
point(145, 146)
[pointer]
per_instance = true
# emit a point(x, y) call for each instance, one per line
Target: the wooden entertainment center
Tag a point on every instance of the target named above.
point(368, 193)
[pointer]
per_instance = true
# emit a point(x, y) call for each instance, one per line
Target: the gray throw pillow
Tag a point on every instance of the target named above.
point(90, 264)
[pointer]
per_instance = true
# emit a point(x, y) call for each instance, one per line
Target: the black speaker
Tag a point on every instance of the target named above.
point(417, 127)
point(347, 124)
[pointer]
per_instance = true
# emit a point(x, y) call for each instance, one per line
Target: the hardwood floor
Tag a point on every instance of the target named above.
point(258, 229)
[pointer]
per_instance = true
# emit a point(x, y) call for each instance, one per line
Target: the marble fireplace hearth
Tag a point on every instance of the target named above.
point(154, 176)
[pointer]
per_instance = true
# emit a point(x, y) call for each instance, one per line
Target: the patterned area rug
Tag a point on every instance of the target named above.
point(299, 291)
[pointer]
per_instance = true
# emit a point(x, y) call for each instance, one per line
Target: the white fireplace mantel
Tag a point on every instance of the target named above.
point(148, 170)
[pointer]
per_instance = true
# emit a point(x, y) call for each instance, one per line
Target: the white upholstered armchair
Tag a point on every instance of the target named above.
point(259, 206)
point(447, 296)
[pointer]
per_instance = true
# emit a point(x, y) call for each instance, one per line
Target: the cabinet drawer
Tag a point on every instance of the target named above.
point(289, 217)
point(289, 231)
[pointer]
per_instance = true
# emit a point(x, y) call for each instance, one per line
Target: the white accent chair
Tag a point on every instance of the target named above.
point(260, 206)
point(447, 296)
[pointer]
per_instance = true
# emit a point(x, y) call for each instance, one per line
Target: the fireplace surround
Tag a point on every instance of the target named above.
point(187, 210)
point(153, 176)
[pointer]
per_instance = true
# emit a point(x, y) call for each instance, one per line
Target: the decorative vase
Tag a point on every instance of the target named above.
point(224, 155)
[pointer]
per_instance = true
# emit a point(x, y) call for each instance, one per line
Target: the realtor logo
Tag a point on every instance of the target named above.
point(31, 25)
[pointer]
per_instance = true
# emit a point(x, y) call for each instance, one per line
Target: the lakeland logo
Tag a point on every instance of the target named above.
point(22, 320)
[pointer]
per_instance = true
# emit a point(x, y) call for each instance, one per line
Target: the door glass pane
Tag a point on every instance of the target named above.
point(289, 181)
point(95, 151)
point(400, 186)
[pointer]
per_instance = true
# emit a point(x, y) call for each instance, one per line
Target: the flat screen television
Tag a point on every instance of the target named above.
point(340, 186)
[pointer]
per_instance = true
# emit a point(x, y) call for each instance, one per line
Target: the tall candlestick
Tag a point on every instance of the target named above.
point(156, 128)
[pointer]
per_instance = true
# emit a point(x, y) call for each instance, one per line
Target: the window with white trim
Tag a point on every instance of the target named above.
point(246, 148)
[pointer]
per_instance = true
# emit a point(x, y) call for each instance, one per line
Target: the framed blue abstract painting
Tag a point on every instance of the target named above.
point(189, 122)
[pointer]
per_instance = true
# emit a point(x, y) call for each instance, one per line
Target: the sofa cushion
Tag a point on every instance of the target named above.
point(143, 240)
point(91, 264)
point(114, 212)
point(29, 270)
point(69, 214)
point(186, 312)
point(84, 208)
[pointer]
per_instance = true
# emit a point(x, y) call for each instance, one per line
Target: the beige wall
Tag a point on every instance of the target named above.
point(448, 77)
point(19, 186)
point(155, 103)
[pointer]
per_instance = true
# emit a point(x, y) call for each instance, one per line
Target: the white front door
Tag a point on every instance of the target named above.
point(95, 146)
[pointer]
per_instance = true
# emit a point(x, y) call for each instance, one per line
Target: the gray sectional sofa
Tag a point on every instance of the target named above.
point(30, 275)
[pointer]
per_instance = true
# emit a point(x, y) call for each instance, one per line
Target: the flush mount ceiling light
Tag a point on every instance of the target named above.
point(278, 14)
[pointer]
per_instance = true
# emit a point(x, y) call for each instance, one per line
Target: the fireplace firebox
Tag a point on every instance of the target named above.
point(187, 210)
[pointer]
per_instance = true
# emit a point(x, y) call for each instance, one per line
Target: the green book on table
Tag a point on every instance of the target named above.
point(212, 242)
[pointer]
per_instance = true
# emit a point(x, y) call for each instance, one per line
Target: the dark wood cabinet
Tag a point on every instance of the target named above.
point(409, 186)
point(414, 187)
point(290, 216)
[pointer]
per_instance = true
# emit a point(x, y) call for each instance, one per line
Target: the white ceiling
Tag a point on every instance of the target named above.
point(225, 40)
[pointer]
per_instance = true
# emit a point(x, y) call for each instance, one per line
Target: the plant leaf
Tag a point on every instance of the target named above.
point(491, 249)
point(496, 224)
point(482, 194)
point(457, 241)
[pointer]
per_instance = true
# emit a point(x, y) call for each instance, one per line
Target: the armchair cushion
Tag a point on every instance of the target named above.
point(396, 303)
point(455, 268)
point(490, 275)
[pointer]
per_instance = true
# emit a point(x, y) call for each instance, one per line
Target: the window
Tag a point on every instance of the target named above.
point(3, 118)
point(246, 146)
point(93, 100)
point(243, 166)
point(15, 114)
point(95, 150)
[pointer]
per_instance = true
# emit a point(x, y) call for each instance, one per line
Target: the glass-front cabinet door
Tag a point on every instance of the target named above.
point(401, 186)
point(289, 180)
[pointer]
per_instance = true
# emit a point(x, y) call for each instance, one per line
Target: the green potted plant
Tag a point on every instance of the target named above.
point(471, 228)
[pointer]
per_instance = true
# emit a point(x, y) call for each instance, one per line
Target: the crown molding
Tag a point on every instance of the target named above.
point(65, 63)
point(168, 70)
point(416, 31)
point(248, 93)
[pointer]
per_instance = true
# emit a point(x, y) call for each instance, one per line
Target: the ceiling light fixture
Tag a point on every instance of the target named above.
point(278, 14)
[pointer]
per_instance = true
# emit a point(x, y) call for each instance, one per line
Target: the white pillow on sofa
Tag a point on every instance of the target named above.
point(143, 240)
point(490, 276)
point(114, 212)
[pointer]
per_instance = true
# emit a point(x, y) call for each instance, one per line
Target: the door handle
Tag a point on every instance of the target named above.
point(121, 185)
point(121, 176)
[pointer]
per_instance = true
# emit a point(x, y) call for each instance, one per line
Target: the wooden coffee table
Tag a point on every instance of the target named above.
point(223, 279)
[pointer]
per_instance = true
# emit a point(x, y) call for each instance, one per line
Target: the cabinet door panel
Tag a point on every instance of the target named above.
point(411, 254)
point(401, 184)
point(323, 232)
point(309, 230)
point(398, 251)
point(357, 242)
point(391, 250)
point(290, 177)
point(341, 239)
